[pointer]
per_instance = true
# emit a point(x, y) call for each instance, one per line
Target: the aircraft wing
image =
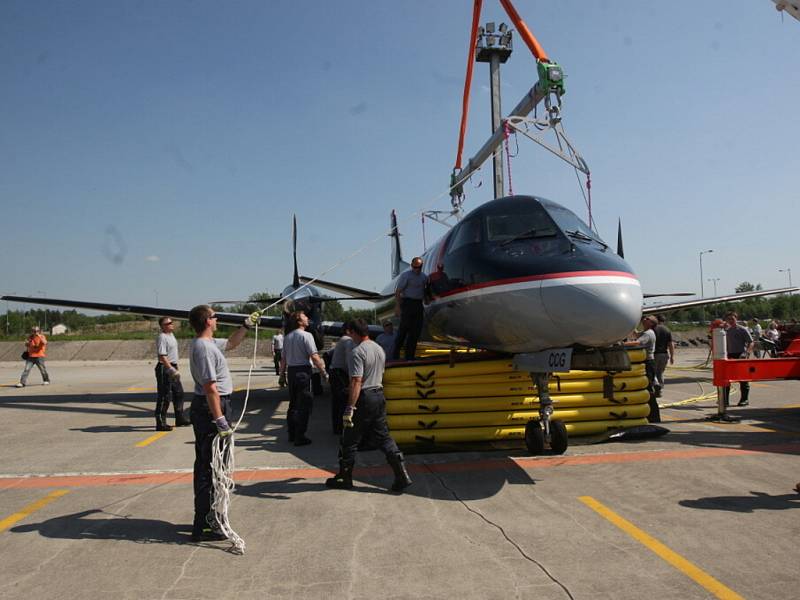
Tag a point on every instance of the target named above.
point(657, 308)
point(344, 289)
point(332, 328)
point(147, 311)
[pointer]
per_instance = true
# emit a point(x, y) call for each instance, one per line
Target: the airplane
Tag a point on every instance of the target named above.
point(518, 275)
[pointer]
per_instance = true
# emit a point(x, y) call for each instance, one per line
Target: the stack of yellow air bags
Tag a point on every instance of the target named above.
point(478, 399)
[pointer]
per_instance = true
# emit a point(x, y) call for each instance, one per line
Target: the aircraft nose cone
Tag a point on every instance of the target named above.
point(595, 310)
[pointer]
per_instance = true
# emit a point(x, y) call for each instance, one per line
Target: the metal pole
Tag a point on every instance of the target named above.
point(494, 86)
point(702, 290)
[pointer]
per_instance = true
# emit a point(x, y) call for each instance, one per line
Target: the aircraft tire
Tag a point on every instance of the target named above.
point(559, 439)
point(534, 437)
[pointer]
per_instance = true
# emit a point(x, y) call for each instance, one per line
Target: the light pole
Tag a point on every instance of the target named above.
point(702, 291)
point(789, 273)
point(495, 48)
point(715, 280)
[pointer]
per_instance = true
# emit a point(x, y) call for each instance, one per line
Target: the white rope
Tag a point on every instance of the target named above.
point(223, 467)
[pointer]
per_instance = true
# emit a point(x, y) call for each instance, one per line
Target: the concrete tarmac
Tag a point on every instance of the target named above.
point(94, 504)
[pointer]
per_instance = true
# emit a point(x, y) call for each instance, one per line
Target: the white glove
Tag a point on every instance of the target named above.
point(173, 374)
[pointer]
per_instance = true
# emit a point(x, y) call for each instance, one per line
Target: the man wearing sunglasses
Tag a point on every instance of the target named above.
point(211, 408)
point(168, 379)
point(408, 296)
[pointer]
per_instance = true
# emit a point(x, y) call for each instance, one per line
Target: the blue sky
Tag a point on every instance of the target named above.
point(160, 148)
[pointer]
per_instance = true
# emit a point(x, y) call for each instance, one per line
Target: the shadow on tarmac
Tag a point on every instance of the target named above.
point(745, 504)
point(77, 527)
point(144, 403)
point(371, 474)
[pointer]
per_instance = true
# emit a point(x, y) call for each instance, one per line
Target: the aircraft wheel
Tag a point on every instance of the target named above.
point(534, 437)
point(559, 440)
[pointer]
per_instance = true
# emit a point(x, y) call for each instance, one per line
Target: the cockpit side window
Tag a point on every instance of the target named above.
point(468, 232)
point(569, 222)
point(533, 223)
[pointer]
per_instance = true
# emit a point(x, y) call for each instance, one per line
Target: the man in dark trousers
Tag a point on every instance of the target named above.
point(211, 408)
point(365, 413)
point(647, 340)
point(664, 352)
point(739, 344)
point(168, 380)
point(299, 353)
point(409, 296)
point(339, 376)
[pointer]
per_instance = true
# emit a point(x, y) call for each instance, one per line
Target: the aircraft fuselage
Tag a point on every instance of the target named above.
point(523, 274)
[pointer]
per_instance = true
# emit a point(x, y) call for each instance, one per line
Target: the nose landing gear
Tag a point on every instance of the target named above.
point(543, 432)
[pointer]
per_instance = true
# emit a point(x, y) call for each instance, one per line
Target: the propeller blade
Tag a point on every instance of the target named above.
point(296, 279)
point(262, 301)
point(620, 251)
point(319, 299)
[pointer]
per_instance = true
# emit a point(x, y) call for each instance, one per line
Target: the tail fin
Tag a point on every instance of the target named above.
point(398, 265)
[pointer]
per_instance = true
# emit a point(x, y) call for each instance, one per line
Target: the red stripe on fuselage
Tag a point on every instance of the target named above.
point(564, 275)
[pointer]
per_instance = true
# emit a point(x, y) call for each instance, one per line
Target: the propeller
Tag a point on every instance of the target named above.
point(296, 279)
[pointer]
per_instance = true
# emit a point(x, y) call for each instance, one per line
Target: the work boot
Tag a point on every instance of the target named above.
point(343, 480)
point(161, 424)
point(181, 420)
point(401, 477)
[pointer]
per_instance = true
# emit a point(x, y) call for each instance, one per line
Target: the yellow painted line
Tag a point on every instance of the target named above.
point(790, 406)
point(151, 439)
point(31, 508)
point(676, 560)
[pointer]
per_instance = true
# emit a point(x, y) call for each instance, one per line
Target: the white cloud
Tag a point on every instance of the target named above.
point(152, 258)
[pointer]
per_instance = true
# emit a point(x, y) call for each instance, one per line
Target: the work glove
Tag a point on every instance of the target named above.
point(173, 374)
point(252, 320)
point(223, 429)
point(325, 376)
point(347, 417)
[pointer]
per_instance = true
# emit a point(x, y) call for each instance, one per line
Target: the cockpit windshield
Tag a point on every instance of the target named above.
point(509, 227)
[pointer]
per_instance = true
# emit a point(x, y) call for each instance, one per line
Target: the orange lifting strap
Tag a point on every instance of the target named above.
point(528, 38)
point(522, 28)
point(473, 42)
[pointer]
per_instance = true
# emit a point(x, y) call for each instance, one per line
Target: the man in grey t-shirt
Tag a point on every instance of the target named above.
point(339, 376)
point(211, 408)
point(409, 296)
point(168, 380)
point(647, 339)
point(739, 344)
point(364, 416)
point(299, 353)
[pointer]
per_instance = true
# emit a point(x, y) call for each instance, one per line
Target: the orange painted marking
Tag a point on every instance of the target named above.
point(457, 467)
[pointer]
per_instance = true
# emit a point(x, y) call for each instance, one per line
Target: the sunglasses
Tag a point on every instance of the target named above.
point(416, 266)
point(213, 317)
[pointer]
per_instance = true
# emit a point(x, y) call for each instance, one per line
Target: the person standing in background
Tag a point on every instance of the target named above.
point(36, 346)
